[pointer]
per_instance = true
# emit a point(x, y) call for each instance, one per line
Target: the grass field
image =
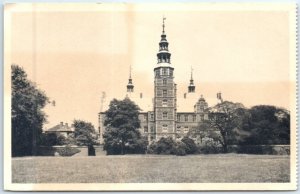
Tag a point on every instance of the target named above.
point(152, 169)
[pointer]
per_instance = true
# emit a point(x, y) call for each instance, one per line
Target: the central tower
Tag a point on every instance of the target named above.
point(164, 91)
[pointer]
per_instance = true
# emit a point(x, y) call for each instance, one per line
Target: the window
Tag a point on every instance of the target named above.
point(164, 71)
point(146, 129)
point(157, 72)
point(202, 117)
point(164, 81)
point(201, 108)
point(151, 129)
point(186, 129)
point(164, 93)
point(185, 118)
point(178, 117)
point(165, 115)
point(171, 72)
point(152, 116)
point(165, 128)
point(165, 102)
point(194, 118)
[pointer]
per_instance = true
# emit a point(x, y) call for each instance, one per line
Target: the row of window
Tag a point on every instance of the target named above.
point(165, 116)
point(164, 71)
point(186, 118)
point(164, 93)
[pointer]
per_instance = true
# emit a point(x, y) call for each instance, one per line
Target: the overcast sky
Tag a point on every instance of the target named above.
point(74, 53)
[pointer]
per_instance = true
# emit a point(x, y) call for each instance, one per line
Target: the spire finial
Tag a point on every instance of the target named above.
point(164, 18)
point(191, 87)
point(130, 85)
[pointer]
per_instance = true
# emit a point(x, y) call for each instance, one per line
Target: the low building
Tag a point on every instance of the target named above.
point(61, 129)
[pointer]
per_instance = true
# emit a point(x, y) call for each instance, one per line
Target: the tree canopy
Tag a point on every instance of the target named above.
point(225, 123)
point(122, 123)
point(231, 123)
point(27, 115)
point(267, 125)
point(85, 133)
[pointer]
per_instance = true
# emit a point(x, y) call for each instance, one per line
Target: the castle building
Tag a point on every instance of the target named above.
point(164, 117)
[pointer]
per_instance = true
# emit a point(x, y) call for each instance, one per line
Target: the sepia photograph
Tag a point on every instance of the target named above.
point(149, 97)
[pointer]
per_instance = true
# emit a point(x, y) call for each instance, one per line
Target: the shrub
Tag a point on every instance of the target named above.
point(68, 151)
point(191, 147)
point(168, 146)
point(180, 149)
point(137, 147)
point(163, 146)
point(210, 146)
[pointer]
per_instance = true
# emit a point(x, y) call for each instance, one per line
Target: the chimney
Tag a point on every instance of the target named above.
point(66, 125)
point(141, 95)
point(61, 124)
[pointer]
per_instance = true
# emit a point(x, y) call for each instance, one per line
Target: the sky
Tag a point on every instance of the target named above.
point(75, 52)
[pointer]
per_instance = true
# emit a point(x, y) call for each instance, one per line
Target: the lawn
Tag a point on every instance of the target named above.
point(152, 169)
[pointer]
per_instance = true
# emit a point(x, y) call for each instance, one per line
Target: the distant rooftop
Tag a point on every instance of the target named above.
point(61, 128)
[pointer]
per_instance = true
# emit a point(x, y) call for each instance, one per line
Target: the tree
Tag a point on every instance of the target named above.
point(223, 123)
point(122, 124)
point(268, 125)
point(27, 116)
point(49, 139)
point(85, 133)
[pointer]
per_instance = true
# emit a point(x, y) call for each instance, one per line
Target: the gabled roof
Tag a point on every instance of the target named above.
point(61, 128)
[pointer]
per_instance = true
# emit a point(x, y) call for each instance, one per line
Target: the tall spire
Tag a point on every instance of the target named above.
point(191, 88)
point(163, 56)
point(130, 85)
point(164, 18)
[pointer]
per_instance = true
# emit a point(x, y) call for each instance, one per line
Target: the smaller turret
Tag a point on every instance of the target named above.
point(201, 105)
point(130, 85)
point(192, 87)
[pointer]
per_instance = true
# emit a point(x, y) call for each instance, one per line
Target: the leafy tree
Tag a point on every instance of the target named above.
point(26, 113)
point(85, 133)
point(268, 125)
point(49, 139)
point(122, 124)
point(224, 121)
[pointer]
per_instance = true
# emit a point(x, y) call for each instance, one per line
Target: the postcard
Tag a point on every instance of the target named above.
point(150, 97)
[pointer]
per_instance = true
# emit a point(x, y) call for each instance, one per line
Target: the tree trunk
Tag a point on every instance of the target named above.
point(224, 145)
point(122, 147)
